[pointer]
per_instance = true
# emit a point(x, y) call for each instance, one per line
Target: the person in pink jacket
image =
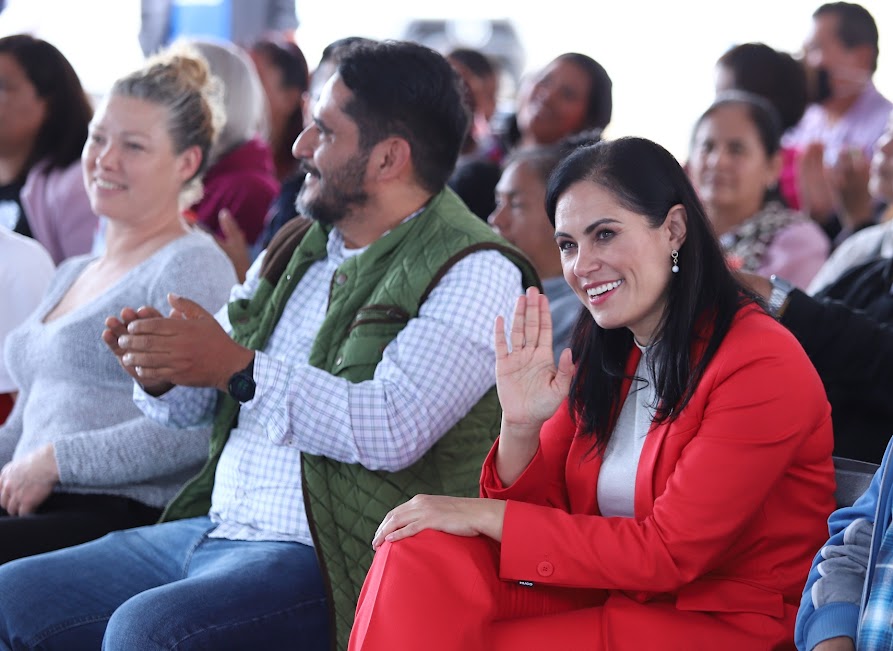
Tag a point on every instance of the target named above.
point(43, 127)
point(663, 487)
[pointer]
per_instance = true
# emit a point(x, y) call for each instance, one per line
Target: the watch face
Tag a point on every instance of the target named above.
point(241, 387)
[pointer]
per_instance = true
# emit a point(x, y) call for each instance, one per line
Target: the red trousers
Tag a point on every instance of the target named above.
point(440, 592)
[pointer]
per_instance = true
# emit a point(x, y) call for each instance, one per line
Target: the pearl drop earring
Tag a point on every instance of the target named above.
point(675, 256)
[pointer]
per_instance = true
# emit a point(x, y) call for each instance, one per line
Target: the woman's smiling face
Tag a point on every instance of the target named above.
point(614, 260)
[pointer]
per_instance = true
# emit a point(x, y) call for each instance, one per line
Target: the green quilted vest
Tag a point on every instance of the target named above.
point(373, 296)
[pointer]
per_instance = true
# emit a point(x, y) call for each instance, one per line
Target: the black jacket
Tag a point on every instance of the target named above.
point(847, 331)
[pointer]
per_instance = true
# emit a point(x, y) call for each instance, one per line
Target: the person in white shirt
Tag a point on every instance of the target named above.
point(25, 271)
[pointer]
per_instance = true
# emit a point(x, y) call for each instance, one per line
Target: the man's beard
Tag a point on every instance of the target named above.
point(335, 196)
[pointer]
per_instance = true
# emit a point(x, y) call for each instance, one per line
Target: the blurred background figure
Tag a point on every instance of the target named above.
point(520, 217)
point(780, 78)
point(844, 326)
point(571, 94)
point(240, 21)
point(285, 77)
point(837, 135)
point(872, 245)
point(475, 174)
point(735, 164)
point(482, 79)
point(286, 81)
point(44, 113)
point(25, 271)
point(241, 177)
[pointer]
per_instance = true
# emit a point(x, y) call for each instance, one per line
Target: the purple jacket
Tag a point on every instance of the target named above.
point(58, 210)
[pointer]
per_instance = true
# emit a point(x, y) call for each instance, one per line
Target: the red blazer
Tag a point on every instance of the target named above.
point(731, 503)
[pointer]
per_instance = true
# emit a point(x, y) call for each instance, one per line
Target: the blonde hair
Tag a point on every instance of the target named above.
point(180, 80)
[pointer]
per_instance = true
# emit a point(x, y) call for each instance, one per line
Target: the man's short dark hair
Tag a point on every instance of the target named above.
point(855, 26)
point(770, 73)
point(476, 62)
point(410, 91)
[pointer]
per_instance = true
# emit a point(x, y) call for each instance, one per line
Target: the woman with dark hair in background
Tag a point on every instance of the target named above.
point(666, 488)
point(777, 76)
point(285, 77)
point(570, 95)
point(734, 165)
point(43, 126)
point(520, 217)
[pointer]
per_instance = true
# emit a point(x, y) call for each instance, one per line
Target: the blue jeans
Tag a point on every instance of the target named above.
point(165, 586)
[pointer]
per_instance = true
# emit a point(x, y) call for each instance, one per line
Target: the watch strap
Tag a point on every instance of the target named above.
point(778, 297)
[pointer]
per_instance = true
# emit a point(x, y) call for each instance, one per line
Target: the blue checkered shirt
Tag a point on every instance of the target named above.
point(876, 625)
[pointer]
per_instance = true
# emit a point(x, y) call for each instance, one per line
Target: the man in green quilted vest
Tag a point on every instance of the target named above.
point(352, 370)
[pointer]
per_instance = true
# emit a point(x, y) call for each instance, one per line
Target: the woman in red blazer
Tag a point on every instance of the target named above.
point(666, 489)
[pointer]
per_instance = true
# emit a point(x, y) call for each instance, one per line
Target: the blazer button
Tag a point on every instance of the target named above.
point(340, 279)
point(545, 568)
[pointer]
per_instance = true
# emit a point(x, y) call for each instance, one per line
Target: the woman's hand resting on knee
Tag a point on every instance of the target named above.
point(26, 482)
point(461, 516)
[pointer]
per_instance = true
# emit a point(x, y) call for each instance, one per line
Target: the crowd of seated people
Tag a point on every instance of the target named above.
point(349, 342)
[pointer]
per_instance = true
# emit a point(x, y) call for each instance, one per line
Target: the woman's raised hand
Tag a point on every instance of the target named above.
point(530, 386)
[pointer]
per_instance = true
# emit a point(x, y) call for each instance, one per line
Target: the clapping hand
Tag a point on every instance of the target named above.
point(849, 177)
point(116, 327)
point(189, 348)
point(814, 185)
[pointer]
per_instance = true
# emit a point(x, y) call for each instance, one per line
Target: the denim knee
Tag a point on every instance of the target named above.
point(30, 615)
point(142, 624)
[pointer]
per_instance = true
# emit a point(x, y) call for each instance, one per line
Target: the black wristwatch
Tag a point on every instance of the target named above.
point(241, 385)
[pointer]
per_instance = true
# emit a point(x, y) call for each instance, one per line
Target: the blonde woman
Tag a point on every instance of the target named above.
point(78, 457)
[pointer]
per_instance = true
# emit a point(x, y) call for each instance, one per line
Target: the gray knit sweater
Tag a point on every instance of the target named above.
point(74, 394)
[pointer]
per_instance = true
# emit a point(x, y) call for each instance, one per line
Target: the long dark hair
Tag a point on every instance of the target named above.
point(703, 297)
point(777, 76)
point(289, 60)
point(63, 133)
